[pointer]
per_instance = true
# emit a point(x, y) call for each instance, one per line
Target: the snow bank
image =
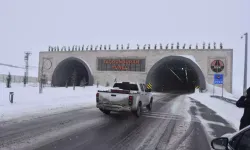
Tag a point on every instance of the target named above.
point(218, 91)
point(237, 92)
point(226, 110)
point(27, 100)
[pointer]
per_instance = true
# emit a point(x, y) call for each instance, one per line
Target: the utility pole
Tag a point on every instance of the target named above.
point(41, 76)
point(245, 64)
point(26, 60)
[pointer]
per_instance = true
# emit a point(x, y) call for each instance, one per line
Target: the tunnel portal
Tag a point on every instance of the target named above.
point(176, 74)
point(64, 71)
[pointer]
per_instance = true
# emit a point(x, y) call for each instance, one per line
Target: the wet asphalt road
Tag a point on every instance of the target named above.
point(173, 124)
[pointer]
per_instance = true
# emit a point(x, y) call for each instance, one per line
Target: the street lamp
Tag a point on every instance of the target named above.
point(245, 64)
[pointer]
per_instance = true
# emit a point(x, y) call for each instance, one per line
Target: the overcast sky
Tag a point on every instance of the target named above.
point(32, 25)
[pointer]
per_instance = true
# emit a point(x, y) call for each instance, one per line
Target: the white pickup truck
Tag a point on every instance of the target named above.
point(125, 96)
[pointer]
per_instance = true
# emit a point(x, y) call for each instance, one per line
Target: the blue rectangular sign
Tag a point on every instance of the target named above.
point(218, 78)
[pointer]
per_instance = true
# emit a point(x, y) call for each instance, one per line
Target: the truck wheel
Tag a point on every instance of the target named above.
point(138, 110)
point(107, 112)
point(149, 106)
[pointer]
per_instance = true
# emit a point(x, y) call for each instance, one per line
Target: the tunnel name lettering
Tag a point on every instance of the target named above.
point(120, 67)
point(121, 64)
point(121, 61)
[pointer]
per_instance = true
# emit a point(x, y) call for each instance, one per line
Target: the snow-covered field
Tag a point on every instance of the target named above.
point(28, 101)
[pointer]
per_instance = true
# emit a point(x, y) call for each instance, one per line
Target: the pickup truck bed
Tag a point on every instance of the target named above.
point(124, 96)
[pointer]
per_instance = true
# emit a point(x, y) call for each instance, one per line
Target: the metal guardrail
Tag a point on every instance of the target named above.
point(224, 99)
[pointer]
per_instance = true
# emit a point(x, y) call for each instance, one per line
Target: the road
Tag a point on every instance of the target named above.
point(173, 124)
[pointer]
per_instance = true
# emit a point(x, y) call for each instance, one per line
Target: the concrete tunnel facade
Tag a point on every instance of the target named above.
point(87, 65)
point(64, 70)
point(156, 75)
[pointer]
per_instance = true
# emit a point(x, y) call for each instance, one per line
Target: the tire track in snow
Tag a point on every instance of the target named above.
point(184, 137)
point(166, 136)
point(133, 136)
point(151, 140)
point(19, 136)
point(164, 143)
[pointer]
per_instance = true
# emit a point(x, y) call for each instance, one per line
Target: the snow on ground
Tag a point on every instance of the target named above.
point(218, 91)
point(228, 111)
point(181, 107)
point(28, 101)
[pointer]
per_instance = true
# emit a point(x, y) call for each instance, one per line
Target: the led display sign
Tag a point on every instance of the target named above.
point(121, 64)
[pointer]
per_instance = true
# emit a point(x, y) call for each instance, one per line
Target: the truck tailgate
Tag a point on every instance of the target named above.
point(114, 98)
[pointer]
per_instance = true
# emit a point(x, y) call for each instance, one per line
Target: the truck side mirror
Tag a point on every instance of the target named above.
point(220, 143)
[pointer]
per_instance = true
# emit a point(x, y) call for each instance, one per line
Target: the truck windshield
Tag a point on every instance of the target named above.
point(126, 86)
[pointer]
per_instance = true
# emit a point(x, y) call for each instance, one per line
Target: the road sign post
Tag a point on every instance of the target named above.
point(245, 64)
point(218, 79)
point(213, 89)
point(222, 89)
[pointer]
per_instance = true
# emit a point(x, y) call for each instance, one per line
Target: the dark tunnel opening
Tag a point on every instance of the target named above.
point(176, 74)
point(63, 73)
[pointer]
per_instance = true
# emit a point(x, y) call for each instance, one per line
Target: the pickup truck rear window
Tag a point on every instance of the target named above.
point(125, 86)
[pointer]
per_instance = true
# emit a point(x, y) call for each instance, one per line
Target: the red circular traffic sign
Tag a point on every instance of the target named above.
point(217, 66)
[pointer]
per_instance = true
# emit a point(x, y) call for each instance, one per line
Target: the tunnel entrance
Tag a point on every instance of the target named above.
point(67, 69)
point(176, 74)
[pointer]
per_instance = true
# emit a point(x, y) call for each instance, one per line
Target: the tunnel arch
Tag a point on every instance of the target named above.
point(153, 76)
point(66, 67)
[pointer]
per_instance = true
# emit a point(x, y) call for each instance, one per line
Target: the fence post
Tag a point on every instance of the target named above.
point(11, 96)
